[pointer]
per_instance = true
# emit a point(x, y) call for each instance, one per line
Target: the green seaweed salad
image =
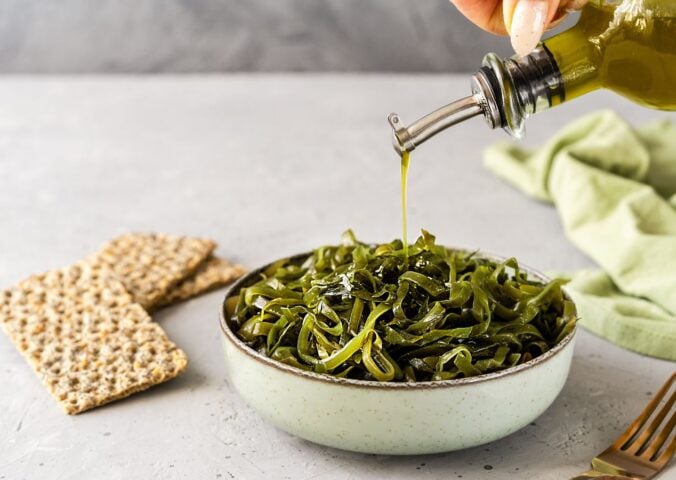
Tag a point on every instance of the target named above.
point(376, 312)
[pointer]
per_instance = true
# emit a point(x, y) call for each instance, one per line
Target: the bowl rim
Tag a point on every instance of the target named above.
point(230, 335)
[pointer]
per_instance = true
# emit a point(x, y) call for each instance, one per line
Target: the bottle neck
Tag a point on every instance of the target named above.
point(578, 61)
point(513, 89)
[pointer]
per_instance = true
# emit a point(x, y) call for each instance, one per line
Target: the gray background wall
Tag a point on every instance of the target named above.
point(81, 36)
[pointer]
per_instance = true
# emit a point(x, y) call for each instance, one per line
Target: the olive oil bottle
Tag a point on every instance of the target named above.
point(627, 46)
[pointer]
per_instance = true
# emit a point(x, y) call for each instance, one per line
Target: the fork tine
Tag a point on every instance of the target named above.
point(648, 434)
point(650, 453)
point(627, 439)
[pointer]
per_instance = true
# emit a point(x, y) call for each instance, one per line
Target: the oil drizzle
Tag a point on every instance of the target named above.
point(405, 156)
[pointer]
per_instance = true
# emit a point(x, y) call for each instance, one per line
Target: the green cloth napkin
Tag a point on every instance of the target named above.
point(614, 187)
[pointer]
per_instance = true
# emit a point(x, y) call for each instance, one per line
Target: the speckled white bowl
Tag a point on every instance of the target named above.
point(394, 418)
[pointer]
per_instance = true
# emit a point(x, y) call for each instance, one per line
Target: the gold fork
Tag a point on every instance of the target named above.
point(645, 448)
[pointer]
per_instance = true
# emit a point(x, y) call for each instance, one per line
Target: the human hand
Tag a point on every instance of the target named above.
point(523, 20)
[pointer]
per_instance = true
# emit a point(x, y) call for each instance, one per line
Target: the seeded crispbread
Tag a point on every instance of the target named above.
point(213, 273)
point(150, 265)
point(85, 338)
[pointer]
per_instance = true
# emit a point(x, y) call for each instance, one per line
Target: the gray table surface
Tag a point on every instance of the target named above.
point(267, 166)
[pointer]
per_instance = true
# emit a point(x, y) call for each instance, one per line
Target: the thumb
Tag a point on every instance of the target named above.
point(526, 21)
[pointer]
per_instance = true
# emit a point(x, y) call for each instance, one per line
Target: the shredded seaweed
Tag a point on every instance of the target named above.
point(373, 312)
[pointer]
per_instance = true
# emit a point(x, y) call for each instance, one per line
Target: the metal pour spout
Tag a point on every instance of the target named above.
point(406, 139)
point(506, 92)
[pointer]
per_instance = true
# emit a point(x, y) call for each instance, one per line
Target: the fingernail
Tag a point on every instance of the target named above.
point(528, 25)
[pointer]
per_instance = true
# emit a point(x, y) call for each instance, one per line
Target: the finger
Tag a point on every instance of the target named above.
point(571, 5)
point(565, 7)
point(487, 14)
point(526, 21)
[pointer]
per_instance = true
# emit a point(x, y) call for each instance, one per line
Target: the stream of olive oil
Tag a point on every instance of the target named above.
point(404, 182)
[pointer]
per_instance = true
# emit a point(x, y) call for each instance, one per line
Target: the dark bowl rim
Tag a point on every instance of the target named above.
point(230, 335)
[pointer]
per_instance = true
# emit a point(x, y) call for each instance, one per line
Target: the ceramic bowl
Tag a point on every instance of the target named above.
point(394, 418)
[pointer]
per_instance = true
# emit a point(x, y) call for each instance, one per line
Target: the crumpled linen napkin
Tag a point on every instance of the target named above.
point(614, 187)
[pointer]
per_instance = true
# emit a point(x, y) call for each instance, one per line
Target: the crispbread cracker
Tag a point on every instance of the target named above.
point(149, 265)
point(85, 338)
point(213, 273)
